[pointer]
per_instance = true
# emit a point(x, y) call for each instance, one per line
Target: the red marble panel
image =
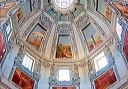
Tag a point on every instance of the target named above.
point(105, 80)
point(22, 80)
point(63, 87)
point(125, 48)
point(2, 46)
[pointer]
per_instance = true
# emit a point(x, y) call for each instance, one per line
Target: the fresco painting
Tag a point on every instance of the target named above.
point(36, 37)
point(123, 9)
point(63, 47)
point(19, 15)
point(105, 80)
point(104, 9)
point(2, 46)
point(125, 48)
point(91, 37)
point(5, 9)
point(63, 87)
point(22, 80)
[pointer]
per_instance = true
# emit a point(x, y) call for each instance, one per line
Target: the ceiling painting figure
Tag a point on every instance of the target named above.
point(63, 47)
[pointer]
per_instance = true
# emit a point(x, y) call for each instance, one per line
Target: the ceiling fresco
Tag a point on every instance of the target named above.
point(64, 29)
point(54, 36)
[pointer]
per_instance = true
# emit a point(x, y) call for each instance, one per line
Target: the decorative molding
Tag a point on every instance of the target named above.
point(46, 22)
point(64, 28)
point(91, 4)
point(82, 21)
point(75, 79)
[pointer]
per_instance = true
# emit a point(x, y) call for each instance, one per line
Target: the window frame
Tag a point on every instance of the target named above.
point(30, 58)
point(69, 74)
point(97, 58)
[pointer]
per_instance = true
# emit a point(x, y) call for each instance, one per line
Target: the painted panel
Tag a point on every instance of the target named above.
point(2, 46)
point(63, 47)
point(105, 80)
point(22, 80)
point(122, 8)
point(125, 48)
point(19, 14)
point(36, 37)
point(63, 87)
point(104, 9)
point(92, 38)
point(4, 10)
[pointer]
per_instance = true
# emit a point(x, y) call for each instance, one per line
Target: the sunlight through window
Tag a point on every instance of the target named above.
point(64, 75)
point(100, 61)
point(63, 3)
point(28, 62)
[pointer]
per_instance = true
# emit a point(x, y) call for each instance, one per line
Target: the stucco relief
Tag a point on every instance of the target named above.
point(82, 21)
point(75, 80)
point(91, 4)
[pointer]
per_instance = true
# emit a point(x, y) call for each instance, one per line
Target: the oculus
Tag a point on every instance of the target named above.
point(64, 6)
point(63, 3)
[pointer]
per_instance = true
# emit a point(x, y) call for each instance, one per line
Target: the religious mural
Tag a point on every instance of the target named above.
point(63, 47)
point(36, 37)
point(23, 11)
point(105, 80)
point(22, 80)
point(4, 10)
point(63, 87)
point(123, 9)
point(92, 38)
point(19, 14)
point(104, 9)
point(2, 46)
point(125, 48)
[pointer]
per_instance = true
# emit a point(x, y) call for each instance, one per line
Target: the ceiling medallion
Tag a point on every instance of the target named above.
point(64, 6)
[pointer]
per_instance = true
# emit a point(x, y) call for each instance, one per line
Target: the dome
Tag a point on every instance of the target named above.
point(63, 44)
point(65, 36)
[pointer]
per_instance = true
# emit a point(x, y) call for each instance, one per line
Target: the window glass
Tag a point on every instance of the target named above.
point(63, 3)
point(100, 61)
point(118, 29)
point(28, 62)
point(64, 75)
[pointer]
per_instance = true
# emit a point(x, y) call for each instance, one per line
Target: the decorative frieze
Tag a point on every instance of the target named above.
point(46, 22)
point(75, 80)
point(64, 28)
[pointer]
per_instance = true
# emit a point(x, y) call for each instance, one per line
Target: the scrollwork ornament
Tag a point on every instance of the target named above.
point(82, 21)
point(91, 4)
point(64, 28)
